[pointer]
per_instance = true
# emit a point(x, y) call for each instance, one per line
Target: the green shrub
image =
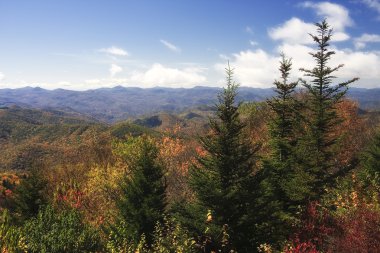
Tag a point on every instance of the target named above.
point(11, 237)
point(168, 237)
point(52, 231)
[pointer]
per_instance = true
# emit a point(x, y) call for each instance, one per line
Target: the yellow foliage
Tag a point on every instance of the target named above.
point(101, 185)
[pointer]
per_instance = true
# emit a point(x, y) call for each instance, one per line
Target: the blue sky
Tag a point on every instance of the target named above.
point(83, 45)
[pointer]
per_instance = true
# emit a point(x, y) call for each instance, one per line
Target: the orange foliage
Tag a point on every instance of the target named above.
point(177, 155)
point(352, 130)
point(8, 182)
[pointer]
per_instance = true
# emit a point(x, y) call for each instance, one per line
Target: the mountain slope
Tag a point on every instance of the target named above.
point(29, 135)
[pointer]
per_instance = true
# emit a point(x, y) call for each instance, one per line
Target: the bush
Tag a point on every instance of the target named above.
point(11, 238)
point(357, 231)
point(168, 237)
point(53, 231)
point(171, 237)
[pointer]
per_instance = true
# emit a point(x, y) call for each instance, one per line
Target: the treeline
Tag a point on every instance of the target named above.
point(299, 173)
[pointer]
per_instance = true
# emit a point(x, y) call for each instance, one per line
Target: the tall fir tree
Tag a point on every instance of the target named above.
point(320, 144)
point(280, 184)
point(286, 109)
point(142, 202)
point(221, 180)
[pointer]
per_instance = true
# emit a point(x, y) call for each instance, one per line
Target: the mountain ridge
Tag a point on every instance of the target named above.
point(120, 103)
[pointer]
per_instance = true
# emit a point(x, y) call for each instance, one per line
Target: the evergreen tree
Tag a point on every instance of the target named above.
point(221, 180)
point(371, 163)
point(285, 108)
point(142, 201)
point(281, 183)
point(29, 195)
point(319, 145)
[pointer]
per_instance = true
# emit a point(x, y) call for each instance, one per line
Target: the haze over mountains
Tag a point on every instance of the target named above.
point(120, 103)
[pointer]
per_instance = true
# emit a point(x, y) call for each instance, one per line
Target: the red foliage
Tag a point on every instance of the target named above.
point(358, 231)
point(71, 197)
point(7, 185)
point(8, 193)
point(301, 247)
point(312, 234)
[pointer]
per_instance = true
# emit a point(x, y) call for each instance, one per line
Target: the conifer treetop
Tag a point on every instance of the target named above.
point(322, 74)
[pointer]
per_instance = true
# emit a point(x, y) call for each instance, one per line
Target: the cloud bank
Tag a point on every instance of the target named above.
point(159, 75)
point(361, 42)
point(259, 68)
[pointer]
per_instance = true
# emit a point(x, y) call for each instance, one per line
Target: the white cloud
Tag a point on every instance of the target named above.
point(253, 43)
point(356, 63)
point(300, 57)
point(359, 64)
point(154, 75)
point(252, 68)
point(114, 69)
point(170, 46)
point(294, 31)
point(2, 76)
point(249, 30)
point(259, 68)
point(160, 75)
point(373, 4)
point(223, 57)
point(296, 43)
point(115, 51)
point(361, 41)
point(337, 16)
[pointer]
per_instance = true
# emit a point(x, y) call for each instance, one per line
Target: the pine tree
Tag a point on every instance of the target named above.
point(285, 108)
point(323, 97)
point(280, 183)
point(142, 201)
point(370, 161)
point(29, 195)
point(221, 180)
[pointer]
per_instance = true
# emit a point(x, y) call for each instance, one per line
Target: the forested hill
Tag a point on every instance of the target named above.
point(119, 103)
point(30, 136)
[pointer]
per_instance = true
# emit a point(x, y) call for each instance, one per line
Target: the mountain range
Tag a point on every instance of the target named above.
point(119, 103)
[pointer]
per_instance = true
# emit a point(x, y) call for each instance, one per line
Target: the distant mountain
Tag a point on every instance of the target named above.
point(368, 99)
point(120, 103)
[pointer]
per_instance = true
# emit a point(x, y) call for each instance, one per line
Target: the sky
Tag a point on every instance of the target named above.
point(81, 45)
